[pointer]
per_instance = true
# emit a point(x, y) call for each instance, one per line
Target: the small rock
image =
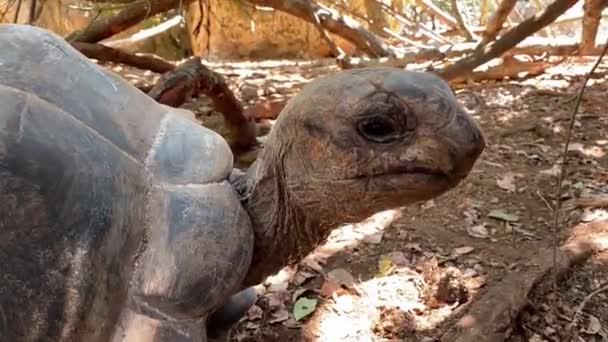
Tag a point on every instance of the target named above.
point(248, 91)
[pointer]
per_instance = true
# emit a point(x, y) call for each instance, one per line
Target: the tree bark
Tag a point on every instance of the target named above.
point(107, 26)
point(429, 7)
point(591, 22)
point(496, 21)
point(462, 26)
point(509, 40)
point(191, 79)
point(332, 21)
point(108, 54)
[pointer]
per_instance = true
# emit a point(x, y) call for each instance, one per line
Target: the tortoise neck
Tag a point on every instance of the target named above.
point(284, 232)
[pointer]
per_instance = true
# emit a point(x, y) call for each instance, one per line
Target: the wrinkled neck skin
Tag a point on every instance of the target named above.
point(284, 232)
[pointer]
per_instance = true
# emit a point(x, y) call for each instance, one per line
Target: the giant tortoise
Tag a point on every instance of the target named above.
point(122, 219)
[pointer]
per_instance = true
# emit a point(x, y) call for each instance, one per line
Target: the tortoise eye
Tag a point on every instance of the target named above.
point(379, 129)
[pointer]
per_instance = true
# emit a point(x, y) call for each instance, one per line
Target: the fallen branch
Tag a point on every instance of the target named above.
point(581, 306)
point(509, 40)
point(509, 68)
point(586, 202)
point(108, 26)
point(531, 47)
point(491, 316)
point(145, 33)
point(191, 79)
point(108, 54)
point(333, 22)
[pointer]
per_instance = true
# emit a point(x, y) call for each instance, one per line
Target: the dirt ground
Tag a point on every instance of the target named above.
point(406, 275)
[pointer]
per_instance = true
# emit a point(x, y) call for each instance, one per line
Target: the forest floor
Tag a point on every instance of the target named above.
point(409, 274)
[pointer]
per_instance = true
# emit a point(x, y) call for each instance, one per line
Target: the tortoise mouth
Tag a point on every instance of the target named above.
point(411, 170)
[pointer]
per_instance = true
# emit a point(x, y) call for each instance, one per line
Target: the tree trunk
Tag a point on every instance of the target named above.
point(191, 79)
point(108, 54)
point(496, 21)
point(508, 40)
point(591, 21)
point(332, 21)
point(377, 18)
point(429, 7)
point(107, 26)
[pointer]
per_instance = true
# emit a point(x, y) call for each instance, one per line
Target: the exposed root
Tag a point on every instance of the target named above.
point(491, 316)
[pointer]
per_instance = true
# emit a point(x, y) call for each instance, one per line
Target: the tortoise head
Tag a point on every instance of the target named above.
point(355, 143)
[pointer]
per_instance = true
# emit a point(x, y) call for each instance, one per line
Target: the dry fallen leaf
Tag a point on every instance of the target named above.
point(312, 264)
point(503, 215)
point(594, 326)
point(278, 287)
point(385, 265)
point(478, 231)
point(255, 313)
point(303, 276)
point(278, 316)
point(398, 258)
point(507, 182)
point(463, 250)
point(329, 287)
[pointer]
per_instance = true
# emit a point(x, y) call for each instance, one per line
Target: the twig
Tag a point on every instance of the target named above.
point(582, 305)
point(563, 170)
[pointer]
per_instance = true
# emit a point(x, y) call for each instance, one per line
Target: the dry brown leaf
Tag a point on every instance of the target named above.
point(329, 287)
point(278, 316)
point(463, 250)
point(255, 313)
point(479, 231)
point(507, 182)
point(278, 287)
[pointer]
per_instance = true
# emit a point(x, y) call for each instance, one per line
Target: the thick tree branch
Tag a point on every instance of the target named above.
point(107, 26)
point(496, 21)
point(332, 21)
point(509, 40)
point(108, 54)
point(531, 47)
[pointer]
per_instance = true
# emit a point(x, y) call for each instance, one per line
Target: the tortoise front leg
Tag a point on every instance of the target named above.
point(224, 318)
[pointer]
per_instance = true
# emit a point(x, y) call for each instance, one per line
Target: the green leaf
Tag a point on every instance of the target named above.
point(385, 265)
point(303, 307)
point(503, 215)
